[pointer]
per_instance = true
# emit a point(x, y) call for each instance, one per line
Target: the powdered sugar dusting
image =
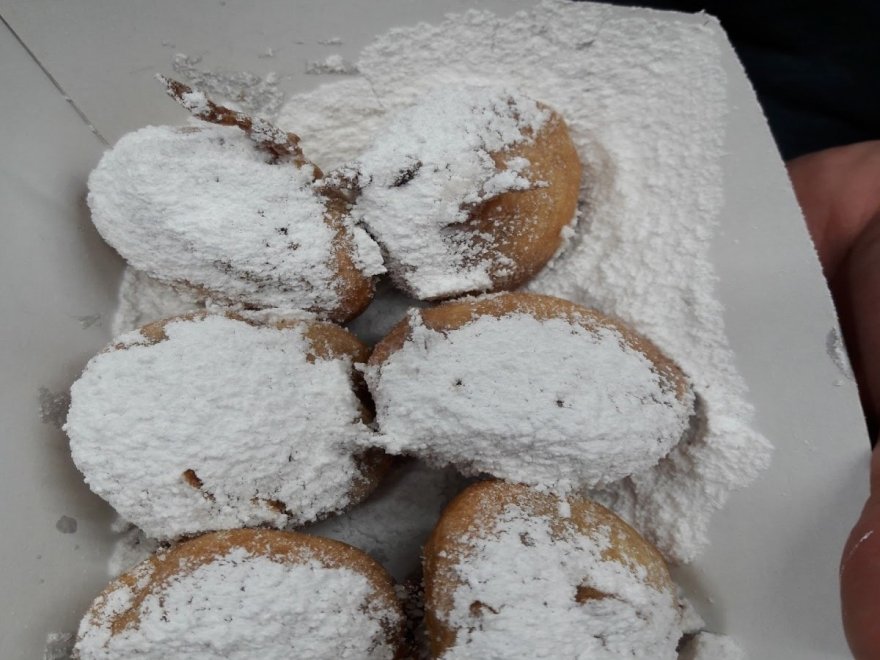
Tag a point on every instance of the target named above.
point(709, 646)
point(130, 549)
point(242, 606)
point(334, 63)
point(527, 605)
point(242, 90)
point(203, 206)
point(644, 100)
point(59, 646)
point(392, 525)
point(325, 120)
point(143, 299)
point(222, 425)
point(428, 168)
point(544, 402)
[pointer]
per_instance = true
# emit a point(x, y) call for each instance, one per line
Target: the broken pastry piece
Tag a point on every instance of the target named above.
point(231, 209)
point(528, 388)
point(473, 189)
point(211, 421)
point(245, 594)
point(515, 573)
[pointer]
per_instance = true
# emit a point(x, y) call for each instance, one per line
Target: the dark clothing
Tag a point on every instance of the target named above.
point(815, 66)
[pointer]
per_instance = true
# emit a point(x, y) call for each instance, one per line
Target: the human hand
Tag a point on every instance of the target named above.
point(860, 576)
point(839, 192)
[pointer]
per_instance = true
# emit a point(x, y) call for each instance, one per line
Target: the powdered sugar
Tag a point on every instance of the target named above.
point(242, 606)
point(59, 646)
point(143, 299)
point(334, 63)
point(644, 102)
point(222, 425)
point(324, 119)
point(132, 547)
point(526, 595)
point(709, 646)
point(257, 95)
point(427, 169)
point(392, 525)
point(203, 206)
point(544, 402)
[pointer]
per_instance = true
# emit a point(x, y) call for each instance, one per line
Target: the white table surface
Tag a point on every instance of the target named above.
point(770, 575)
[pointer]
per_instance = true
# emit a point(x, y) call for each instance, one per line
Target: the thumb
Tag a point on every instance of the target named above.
point(860, 576)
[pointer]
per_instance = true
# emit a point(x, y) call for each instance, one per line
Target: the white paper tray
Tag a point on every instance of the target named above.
point(770, 575)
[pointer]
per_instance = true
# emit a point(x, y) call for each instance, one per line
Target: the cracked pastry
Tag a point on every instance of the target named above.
point(473, 189)
point(212, 208)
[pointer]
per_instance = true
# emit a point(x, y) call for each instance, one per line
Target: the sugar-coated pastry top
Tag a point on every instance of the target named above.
point(429, 172)
point(512, 573)
point(243, 595)
point(213, 422)
point(202, 205)
point(527, 388)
